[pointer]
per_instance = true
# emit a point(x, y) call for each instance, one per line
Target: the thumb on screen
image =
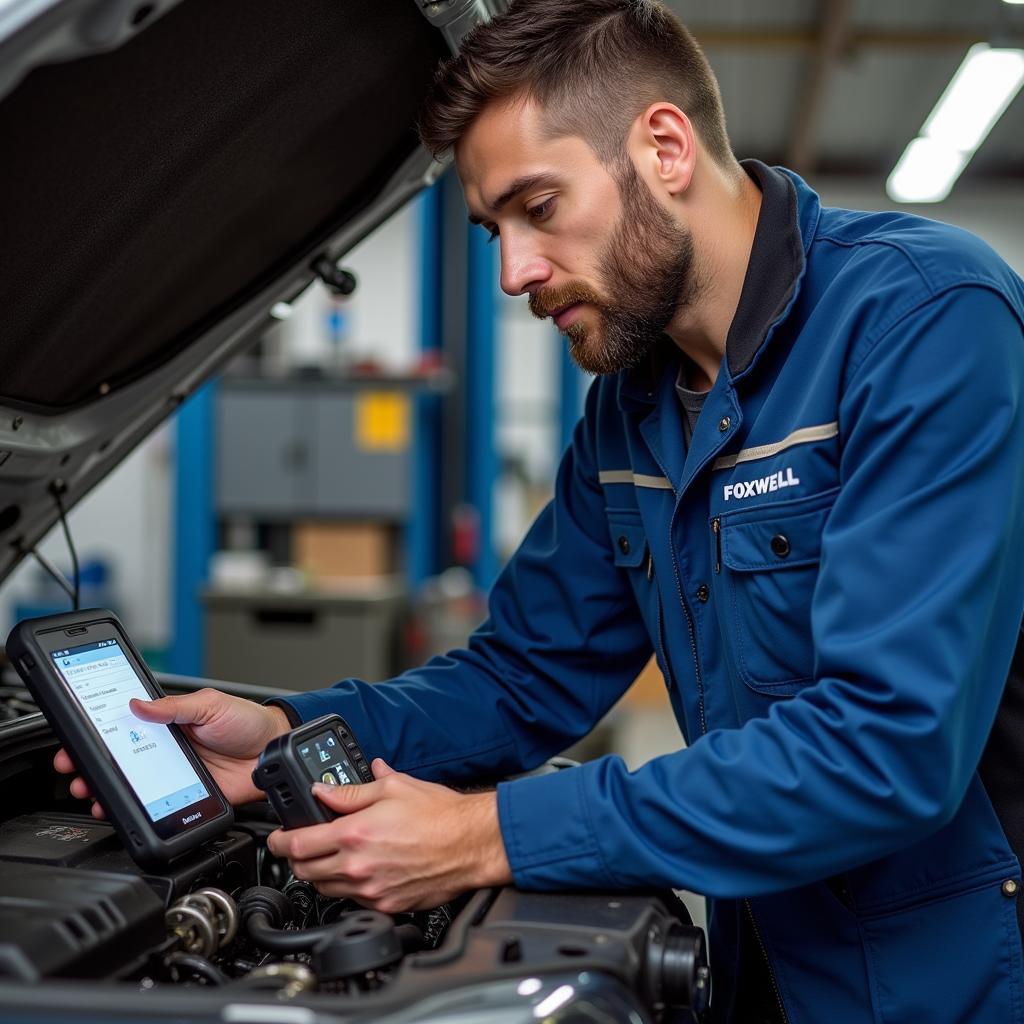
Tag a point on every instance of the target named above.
point(164, 710)
point(346, 799)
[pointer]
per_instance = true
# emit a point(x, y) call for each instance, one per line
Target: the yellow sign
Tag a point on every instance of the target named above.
point(382, 421)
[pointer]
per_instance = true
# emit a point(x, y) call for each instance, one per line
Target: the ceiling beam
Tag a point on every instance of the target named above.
point(878, 164)
point(769, 38)
point(834, 24)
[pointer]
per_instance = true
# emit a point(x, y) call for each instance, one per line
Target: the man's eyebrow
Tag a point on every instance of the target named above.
point(518, 187)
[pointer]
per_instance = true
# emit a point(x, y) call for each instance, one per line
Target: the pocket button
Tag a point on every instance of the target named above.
point(703, 593)
point(624, 544)
point(1010, 887)
point(780, 545)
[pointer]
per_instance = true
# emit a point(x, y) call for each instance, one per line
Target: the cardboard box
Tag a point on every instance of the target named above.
point(648, 689)
point(326, 551)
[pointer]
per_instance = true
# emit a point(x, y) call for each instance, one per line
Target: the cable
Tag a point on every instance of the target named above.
point(57, 488)
point(52, 570)
point(198, 965)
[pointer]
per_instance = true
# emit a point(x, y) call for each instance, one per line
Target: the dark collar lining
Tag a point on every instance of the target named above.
point(776, 263)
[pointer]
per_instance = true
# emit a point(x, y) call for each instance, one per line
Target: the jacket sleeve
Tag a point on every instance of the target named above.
point(562, 642)
point(914, 619)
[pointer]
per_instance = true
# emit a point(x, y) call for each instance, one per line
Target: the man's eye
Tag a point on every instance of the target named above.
point(543, 210)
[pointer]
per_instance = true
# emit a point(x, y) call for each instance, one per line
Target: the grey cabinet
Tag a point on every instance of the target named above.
point(304, 641)
point(349, 477)
point(291, 449)
point(264, 454)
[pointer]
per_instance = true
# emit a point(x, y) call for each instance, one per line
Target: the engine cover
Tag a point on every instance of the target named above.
point(67, 840)
point(63, 923)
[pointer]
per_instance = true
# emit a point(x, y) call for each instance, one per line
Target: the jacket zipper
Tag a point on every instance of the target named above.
point(716, 529)
point(693, 634)
point(661, 625)
point(768, 964)
point(689, 618)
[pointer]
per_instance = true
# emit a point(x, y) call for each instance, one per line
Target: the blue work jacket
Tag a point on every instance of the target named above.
point(831, 576)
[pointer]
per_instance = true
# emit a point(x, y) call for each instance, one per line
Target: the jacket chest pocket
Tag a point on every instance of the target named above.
point(768, 568)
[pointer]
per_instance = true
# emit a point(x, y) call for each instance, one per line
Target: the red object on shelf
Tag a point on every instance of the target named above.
point(429, 362)
point(465, 535)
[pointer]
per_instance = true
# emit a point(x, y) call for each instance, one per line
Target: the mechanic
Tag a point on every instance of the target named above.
point(798, 481)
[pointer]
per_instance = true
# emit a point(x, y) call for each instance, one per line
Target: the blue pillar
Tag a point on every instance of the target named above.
point(422, 532)
point(570, 404)
point(194, 528)
point(481, 341)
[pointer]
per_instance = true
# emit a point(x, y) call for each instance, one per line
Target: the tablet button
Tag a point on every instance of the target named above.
point(28, 663)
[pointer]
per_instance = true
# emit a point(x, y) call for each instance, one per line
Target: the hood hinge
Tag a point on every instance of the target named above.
point(454, 19)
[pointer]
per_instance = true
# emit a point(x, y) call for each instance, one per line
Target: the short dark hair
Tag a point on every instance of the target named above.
point(593, 65)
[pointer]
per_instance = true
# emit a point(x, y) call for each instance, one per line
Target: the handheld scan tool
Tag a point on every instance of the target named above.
point(82, 670)
point(323, 750)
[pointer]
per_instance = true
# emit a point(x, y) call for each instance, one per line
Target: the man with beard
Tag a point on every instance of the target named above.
point(797, 482)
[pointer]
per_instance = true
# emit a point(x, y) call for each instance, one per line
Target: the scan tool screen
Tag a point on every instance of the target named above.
point(102, 679)
point(326, 761)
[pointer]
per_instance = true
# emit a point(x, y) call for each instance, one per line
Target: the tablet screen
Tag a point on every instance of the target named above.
point(102, 679)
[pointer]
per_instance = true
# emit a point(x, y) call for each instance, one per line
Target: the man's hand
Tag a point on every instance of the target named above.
point(402, 845)
point(227, 732)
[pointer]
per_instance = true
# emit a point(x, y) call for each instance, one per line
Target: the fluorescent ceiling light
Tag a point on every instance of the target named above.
point(976, 97)
point(982, 88)
point(1013, 1)
point(926, 172)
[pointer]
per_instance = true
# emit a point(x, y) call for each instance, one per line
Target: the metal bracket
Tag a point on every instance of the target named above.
point(339, 282)
point(454, 19)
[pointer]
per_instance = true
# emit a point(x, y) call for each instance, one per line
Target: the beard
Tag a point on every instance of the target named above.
point(648, 273)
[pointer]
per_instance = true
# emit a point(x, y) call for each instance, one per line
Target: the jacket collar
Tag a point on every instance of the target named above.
point(785, 228)
point(775, 269)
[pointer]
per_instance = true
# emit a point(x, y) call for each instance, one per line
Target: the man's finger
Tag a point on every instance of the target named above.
point(185, 710)
point(79, 789)
point(381, 768)
point(305, 843)
point(63, 763)
point(322, 867)
point(346, 799)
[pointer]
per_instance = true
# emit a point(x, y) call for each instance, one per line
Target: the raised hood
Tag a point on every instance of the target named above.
point(168, 172)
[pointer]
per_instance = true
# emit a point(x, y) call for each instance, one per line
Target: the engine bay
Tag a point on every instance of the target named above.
point(82, 926)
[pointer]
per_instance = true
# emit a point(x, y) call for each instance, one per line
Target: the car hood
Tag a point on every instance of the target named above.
point(172, 170)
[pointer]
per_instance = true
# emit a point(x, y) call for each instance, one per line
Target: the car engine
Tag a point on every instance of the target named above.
point(228, 925)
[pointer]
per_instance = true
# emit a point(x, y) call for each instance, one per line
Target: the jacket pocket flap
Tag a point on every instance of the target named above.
point(629, 542)
point(774, 542)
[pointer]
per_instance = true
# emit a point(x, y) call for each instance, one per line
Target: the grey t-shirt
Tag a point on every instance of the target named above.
point(692, 403)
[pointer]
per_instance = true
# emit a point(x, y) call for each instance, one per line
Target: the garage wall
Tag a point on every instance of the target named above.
point(125, 522)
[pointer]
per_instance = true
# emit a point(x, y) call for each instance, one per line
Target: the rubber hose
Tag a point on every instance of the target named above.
point(276, 940)
point(198, 965)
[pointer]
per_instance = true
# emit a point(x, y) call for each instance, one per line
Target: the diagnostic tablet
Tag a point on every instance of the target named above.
point(82, 670)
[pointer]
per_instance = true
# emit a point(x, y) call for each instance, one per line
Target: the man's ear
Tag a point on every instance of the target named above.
point(667, 141)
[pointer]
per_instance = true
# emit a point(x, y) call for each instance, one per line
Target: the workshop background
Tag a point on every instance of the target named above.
point(338, 502)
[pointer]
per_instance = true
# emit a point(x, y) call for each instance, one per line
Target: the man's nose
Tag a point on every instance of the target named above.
point(522, 269)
